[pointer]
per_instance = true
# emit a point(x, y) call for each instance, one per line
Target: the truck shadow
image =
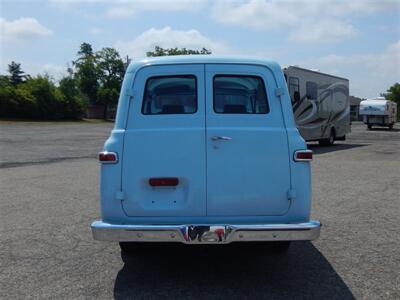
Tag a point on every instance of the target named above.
point(384, 129)
point(233, 271)
point(317, 149)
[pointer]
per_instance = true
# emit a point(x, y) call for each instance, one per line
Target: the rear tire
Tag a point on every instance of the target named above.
point(390, 126)
point(130, 247)
point(280, 247)
point(369, 126)
point(146, 247)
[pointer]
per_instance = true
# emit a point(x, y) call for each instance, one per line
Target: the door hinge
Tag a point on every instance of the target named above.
point(120, 195)
point(291, 194)
point(279, 92)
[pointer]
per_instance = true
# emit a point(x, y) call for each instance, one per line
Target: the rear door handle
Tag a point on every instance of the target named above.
point(221, 138)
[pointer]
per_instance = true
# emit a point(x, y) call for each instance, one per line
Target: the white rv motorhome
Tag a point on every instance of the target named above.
point(320, 104)
point(379, 112)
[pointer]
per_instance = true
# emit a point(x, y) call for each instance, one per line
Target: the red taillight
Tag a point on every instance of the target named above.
point(108, 157)
point(165, 181)
point(303, 155)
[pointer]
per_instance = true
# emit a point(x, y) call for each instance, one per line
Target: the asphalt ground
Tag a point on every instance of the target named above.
point(49, 196)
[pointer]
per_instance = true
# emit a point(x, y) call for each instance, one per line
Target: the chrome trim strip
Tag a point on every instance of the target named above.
point(206, 233)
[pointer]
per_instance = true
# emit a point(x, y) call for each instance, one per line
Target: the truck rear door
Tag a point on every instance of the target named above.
point(164, 156)
point(247, 150)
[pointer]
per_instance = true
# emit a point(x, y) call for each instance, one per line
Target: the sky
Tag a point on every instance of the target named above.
point(356, 39)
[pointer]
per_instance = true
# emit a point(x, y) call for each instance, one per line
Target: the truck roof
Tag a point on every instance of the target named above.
point(202, 59)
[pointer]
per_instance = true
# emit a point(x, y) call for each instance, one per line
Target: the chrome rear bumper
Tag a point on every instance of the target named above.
point(206, 234)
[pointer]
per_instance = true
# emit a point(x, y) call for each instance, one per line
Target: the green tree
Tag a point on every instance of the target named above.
point(393, 94)
point(15, 100)
point(16, 74)
point(75, 102)
point(40, 98)
point(4, 81)
point(23, 103)
point(111, 71)
point(7, 103)
point(159, 51)
point(49, 100)
point(36, 98)
point(87, 72)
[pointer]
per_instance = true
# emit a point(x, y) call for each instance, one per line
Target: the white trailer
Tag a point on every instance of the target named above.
point(378, 112)
point(320, 104)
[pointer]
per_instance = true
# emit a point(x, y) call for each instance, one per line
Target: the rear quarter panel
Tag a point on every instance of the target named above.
point(110, 174)
point(300, 171)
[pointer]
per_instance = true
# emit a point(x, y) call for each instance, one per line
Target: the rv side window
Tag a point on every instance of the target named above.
point(293, 87)
point(311, 90)
point(240, 95)
point(170, 95)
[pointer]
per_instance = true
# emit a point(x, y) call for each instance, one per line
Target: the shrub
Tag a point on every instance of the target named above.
point(39, 98)
point(74, 101)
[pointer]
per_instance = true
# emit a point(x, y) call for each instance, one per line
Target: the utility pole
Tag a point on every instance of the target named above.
point(128, 61)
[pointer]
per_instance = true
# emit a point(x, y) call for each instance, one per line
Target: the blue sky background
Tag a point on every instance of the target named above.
point(358, 39)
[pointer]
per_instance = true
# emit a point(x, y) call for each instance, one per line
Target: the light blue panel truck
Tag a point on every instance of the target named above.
point(205, 150)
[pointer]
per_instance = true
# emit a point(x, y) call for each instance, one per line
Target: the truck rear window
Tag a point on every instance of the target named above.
point(170, 95)
point(240, 94)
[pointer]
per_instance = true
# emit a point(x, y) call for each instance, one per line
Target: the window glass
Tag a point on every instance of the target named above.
point(294, 87)
point(240, 95)
point(311, 90)
point(170, 95)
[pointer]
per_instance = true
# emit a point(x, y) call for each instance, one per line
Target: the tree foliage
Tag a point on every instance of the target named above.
point(87, 72)
point(111, 71)
point(16, 74)
point(393, 94)
point(158, 51)
point(38, 98)
point(75, 101)
point(99, 75)
point(95, 78)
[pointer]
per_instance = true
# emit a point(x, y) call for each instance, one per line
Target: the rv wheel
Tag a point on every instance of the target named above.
point(329, 141)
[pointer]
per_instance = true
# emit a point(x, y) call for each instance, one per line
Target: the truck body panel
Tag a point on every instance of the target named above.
point(204, 141)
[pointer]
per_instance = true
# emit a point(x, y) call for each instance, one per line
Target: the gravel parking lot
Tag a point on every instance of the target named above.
point(49, 196)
